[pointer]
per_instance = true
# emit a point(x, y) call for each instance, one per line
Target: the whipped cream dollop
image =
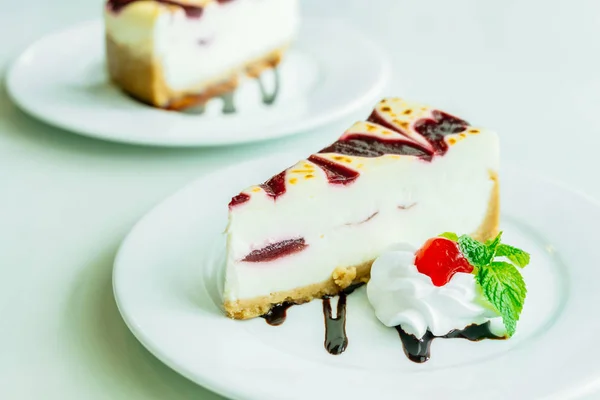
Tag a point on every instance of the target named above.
point(401, 295)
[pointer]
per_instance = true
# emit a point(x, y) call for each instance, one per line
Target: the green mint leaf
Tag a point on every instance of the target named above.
point(492, 247)
point(474, 251)
point(517, 256)
point(450, 235)
point(503, 286)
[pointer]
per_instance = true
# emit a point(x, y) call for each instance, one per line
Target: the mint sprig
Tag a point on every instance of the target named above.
point(475, 252)
point(503, 286)
point(501, 282)
point(518, 257)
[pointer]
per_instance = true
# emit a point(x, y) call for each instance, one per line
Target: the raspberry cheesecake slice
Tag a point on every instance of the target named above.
point(175, 54)
point(407, 173)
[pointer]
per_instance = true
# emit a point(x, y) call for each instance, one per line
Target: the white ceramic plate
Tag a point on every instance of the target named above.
point(168, 276)
point(61, 79)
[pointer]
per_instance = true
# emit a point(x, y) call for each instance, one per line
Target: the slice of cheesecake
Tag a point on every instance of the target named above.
point(178, 53)
point(406, 174)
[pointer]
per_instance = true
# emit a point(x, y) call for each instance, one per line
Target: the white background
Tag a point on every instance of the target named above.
point(529, 69)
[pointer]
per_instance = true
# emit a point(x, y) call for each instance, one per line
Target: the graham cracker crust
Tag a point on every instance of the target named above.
point(342, 277)
point(141, 76)
point(251, 308)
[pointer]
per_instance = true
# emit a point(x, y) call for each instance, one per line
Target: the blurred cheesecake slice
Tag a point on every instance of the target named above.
point(176, 54)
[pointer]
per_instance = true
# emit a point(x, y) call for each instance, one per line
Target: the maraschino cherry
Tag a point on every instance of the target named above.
point(440, 259)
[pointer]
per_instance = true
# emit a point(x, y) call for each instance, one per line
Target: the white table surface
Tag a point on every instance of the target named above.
point(529, 69)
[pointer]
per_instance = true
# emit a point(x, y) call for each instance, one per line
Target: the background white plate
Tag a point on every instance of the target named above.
point(168, 275)
point(61, 79)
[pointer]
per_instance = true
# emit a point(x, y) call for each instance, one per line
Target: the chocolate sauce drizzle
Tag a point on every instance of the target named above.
point(228, 102)
point(418, 350)
point(277, 314)
point(228, 98)
point(336, 340)
point(269, 98)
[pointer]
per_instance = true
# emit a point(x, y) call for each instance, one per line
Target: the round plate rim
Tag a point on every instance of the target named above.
point(302, 123)
point(221, 386)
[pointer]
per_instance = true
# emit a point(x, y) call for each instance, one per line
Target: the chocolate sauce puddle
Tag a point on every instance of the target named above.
point(277, 314)
point(418, 350)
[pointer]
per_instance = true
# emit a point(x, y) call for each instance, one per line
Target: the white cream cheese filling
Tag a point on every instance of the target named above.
point(413, 200)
